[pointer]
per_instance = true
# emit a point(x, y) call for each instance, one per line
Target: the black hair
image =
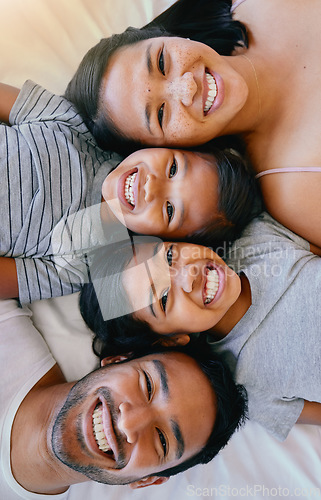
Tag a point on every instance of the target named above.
point(125, 334)
point(103, 301)
point(239, 199)
point(231, 401)
point(84, 89)
point(238, 193)
point(207, 21)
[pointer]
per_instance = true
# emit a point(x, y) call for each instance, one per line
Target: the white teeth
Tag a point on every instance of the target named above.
point(212, 93)
point(129, 195)
point(211, 285)
point(99, 430)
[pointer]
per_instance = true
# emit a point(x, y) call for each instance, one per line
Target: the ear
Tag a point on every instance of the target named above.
point(177, 339)
point(148, 481)
point(114, 359)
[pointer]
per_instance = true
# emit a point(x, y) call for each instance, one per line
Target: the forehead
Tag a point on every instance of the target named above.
point(126, 86)
point(201, 192)
point(123, 84)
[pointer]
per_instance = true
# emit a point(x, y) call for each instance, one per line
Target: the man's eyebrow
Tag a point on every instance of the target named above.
point(179, 438)
point(160, 368)
point(149, 65)
point(185, 168)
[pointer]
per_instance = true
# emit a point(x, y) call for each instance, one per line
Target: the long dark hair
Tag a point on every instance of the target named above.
point(85, 87)
point(207, 21)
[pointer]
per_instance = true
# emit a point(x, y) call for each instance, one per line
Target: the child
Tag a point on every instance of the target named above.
point(53, 213)
point(259, 309)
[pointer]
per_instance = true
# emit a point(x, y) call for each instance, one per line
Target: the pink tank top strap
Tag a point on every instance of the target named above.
point(287, 169)
point(236, 4)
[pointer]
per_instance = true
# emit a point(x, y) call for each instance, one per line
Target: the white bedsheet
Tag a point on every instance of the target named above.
point(45, 40)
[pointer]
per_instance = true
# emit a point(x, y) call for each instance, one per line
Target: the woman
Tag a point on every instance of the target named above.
point(175, 91)
point(260, 309)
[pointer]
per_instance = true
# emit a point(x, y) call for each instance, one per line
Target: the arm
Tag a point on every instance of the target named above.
point(8, 278)
point(311, 413)
point(8, 95)
point(316, 250)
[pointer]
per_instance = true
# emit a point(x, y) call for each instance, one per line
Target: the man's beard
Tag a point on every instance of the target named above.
point(60, 434)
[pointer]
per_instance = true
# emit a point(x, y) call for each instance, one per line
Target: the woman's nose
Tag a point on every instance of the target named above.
point(183, 88)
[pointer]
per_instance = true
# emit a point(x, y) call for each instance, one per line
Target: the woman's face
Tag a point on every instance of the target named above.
point(163, 192)
point(171, 91)
point(184, 288)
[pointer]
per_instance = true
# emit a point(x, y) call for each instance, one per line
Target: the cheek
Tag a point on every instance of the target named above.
point(181, 131)
point(139, 222)
point(187, 131)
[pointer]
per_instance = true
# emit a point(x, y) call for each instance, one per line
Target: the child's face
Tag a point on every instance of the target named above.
point(180, 287)
point(163, 192)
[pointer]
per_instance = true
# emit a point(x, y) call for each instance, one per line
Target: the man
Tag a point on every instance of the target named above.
point(131, 421)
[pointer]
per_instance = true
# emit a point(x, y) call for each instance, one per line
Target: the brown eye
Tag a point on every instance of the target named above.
point(160, 115)
point(148, 386)
point(164, 300)
point(163, 441)
point(169, 255)
point(173, 169)
point(161, 63)
point(170, 211)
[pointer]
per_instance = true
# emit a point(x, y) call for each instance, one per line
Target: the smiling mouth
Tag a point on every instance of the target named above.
point(211, 286)
point(129, 194)
point(99, 432)
point(212, 93)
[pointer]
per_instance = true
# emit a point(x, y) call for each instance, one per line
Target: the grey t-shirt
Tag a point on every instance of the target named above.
point(275, 349)
point(51, 168)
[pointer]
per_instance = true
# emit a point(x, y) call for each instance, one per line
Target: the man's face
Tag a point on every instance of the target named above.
point(129, 421)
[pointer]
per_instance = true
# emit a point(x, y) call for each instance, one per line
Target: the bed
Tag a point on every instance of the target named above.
point(44, 40)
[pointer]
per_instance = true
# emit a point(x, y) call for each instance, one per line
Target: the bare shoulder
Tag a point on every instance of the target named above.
point(294, 200)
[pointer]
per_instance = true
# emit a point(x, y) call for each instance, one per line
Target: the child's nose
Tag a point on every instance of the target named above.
point(151, 188)
point(186, 276)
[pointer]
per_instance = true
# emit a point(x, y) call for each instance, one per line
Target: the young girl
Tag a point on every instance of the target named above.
point(256, 74)
point(53, 177)
point(259, 309)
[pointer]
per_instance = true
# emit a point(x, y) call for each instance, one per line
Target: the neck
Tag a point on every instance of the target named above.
point(260, 100)
point(33, 463)
point(235, 313)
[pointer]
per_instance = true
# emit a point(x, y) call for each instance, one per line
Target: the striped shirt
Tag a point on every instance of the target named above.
point(51, 171)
